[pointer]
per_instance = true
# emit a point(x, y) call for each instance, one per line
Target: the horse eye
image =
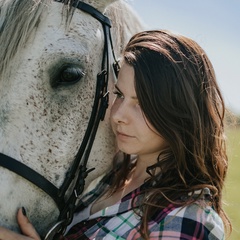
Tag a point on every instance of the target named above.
point(69, 75)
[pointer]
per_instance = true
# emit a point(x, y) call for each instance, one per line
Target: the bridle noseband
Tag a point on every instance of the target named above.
point(78, 172)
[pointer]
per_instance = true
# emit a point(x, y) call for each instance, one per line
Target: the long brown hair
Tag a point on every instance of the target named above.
point(178, 93)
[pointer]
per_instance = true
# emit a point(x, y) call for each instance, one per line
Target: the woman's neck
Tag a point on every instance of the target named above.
point(142, 163)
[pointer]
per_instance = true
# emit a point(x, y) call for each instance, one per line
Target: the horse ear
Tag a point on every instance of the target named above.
point(100, 5)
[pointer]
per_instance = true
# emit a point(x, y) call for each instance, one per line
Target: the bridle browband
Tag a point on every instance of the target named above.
point(78, 172)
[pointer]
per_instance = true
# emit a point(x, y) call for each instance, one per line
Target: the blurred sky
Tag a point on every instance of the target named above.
point(214, 24)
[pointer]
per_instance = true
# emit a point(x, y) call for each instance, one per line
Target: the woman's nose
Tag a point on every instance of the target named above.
point(120, 113)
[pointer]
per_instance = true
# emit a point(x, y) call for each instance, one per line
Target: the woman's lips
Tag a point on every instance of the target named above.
point(122, 135)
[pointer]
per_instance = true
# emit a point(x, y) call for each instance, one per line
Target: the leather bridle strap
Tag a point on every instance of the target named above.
point(32, 176)
point(98, 112)
point(101, 94)
point(92, 11)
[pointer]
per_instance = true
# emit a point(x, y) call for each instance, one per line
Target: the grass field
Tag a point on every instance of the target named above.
point(232, 189)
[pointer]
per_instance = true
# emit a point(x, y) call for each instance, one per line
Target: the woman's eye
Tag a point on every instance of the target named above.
point(118, 94)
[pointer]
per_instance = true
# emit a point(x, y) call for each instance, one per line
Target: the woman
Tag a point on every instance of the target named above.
point(167, 178)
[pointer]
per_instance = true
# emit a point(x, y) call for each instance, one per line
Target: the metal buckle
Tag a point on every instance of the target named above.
point(54, 230)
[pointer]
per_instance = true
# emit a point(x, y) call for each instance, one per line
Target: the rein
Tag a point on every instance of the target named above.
point(76, 175)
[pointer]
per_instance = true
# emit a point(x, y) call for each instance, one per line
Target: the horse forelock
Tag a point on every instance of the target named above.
point(125, 23)
point(19, 19)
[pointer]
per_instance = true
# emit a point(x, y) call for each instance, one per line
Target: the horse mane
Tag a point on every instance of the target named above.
point(19, 19)
point(125, 23)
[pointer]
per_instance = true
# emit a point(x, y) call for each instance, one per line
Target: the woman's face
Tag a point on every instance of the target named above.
point(134, 134)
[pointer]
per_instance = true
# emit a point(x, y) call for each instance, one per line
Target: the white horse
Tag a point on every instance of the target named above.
point(50, 55)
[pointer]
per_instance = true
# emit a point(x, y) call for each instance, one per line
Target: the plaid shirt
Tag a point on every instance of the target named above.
point(121, 222)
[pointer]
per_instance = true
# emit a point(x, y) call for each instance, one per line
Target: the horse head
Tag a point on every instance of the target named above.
point(51, 55)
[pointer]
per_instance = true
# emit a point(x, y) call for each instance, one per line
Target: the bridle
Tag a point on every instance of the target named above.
point(78, 172)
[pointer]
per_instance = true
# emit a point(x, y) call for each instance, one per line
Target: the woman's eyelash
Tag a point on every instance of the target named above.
point(118, 94)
